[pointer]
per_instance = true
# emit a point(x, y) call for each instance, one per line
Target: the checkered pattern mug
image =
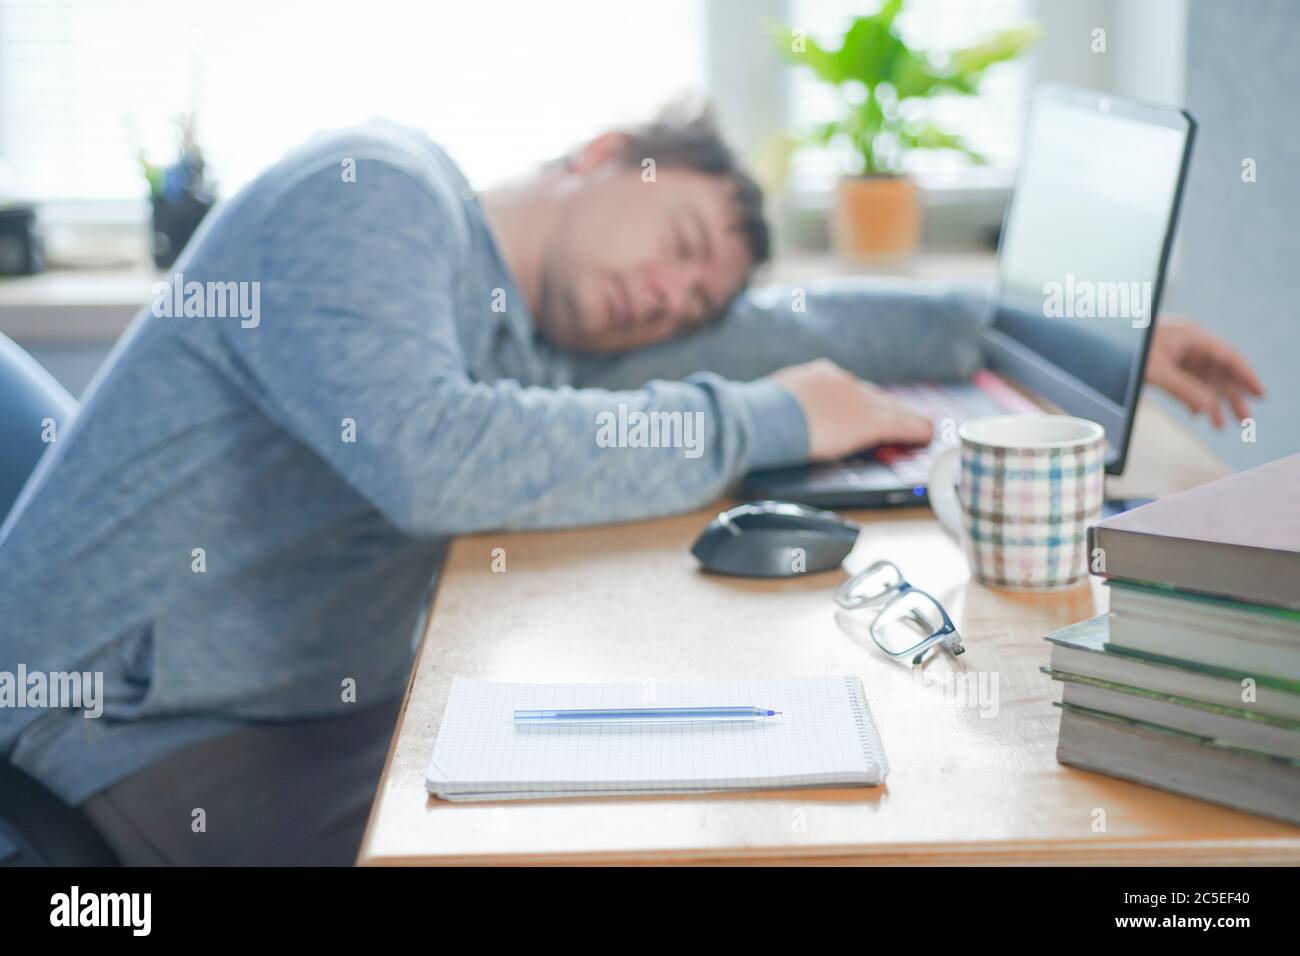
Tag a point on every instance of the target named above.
point(1019, 492)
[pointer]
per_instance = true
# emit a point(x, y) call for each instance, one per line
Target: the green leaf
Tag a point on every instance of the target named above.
point(872, 54)
point(823, 133)
point(869, 51)
point(888, 12)
point(928, 135)
point(912, 76)
point(1006, 45)
point(805, 51)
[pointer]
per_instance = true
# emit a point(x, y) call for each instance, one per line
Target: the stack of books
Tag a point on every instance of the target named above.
point(1192, 682)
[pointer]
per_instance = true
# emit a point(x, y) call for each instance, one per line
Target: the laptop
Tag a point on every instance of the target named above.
point(1081, 266)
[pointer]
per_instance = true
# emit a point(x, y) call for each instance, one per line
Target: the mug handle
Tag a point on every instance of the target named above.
point(943, 491)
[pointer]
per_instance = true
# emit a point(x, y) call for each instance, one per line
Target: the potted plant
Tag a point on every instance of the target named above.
point(180, 195)
point(881, 82)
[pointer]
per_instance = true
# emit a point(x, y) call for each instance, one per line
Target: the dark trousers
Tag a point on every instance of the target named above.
point(291, 794)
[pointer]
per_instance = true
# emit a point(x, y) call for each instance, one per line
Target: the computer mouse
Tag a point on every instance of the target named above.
point(774, 539)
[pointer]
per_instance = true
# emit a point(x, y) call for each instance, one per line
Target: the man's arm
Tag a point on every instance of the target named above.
point(356, 328)
point(881, 330)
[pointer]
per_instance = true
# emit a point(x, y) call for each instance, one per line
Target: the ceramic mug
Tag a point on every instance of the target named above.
point(1019, 492)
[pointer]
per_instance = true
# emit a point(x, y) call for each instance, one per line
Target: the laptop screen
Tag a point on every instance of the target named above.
point(1084, 247)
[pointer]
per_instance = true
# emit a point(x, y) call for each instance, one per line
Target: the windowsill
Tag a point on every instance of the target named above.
point(933, 191)
point(962, 217)
point(67, 306)
point(94, 307)
point(939, 265)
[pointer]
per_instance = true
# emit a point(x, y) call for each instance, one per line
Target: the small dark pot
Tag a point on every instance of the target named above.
point(22, 253)
point(174, 222)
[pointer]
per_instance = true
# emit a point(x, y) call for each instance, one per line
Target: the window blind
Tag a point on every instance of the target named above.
point(502, 85)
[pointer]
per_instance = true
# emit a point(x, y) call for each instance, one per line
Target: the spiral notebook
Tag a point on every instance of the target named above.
point(825, 737)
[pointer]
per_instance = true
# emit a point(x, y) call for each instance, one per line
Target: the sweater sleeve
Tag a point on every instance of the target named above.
point(883, 330)
point(356, 354)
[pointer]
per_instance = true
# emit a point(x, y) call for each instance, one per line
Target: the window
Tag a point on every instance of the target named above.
point(502, 85)
point(990, 122)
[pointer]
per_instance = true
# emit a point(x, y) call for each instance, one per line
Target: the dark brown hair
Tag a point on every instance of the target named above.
point(684, 134)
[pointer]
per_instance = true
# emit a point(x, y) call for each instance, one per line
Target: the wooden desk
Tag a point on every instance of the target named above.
point(627, 603)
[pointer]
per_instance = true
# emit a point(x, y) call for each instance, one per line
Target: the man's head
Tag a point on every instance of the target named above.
point(652, 230)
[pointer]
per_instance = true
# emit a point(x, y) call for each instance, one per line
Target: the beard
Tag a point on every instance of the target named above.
point(559, 310)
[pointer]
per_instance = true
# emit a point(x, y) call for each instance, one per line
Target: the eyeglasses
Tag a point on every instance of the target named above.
point(908, 622)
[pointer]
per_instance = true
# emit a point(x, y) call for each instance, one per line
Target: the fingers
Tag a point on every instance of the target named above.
point(1204, 372)
point(1241, 374)
point(1197, 396)
point(911, 427)
point(1238, 402)
point(1228, 375)
point(890, 421)
point(1215, 412)
point(1218, 356)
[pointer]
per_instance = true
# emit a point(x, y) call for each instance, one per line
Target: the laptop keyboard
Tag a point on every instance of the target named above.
point(945, 405)
point(899, 472)
point(889, 465)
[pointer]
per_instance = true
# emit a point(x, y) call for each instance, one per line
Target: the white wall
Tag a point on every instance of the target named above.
point(1240, 255)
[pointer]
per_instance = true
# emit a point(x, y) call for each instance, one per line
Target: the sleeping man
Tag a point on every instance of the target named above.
point(240, 529)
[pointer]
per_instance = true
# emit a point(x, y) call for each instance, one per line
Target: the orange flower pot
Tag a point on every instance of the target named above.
point(876, 218)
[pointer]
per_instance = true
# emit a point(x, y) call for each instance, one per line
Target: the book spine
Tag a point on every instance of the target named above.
point(1214, 570)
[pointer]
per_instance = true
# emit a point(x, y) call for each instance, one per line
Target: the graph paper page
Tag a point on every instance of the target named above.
point(824, 736)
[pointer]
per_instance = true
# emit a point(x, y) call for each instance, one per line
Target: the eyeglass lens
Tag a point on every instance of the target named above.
point(873, 585)
point(906, 622)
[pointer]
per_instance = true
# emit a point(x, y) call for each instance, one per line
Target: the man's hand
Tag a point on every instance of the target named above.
point(846, 414)
point(1200, 370)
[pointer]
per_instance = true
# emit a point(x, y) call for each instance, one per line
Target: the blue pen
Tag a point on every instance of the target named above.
point(646, 715)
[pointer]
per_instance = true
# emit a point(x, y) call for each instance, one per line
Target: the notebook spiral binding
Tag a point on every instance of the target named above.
point(872, 748)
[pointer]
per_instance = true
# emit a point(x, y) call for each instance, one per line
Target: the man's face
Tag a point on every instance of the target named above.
point(631, 262)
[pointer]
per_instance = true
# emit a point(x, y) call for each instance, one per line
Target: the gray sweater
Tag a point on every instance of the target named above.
point(243, 522)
